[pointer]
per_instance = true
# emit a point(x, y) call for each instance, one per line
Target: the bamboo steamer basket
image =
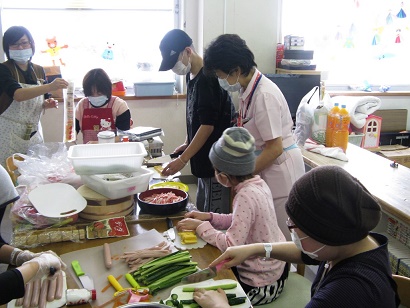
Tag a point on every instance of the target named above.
point(100, 207)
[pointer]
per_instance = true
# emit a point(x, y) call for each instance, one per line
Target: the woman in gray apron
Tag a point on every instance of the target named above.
point(23, 94)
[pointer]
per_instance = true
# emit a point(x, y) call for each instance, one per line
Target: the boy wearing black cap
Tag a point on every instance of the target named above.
point(209, 111)
point(331, 215)
point(253, 219)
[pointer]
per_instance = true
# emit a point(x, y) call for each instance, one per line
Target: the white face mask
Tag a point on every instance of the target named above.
point(180, 68)
point(21, 55)
point(229, 87)
point(298, 243)
point(223, 180)
point(98, 101)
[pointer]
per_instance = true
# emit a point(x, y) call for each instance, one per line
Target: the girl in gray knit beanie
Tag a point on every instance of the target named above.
point(253, 217)
point(331, 216)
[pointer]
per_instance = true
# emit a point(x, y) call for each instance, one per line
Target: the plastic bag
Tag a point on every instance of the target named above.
point(46, 163)
point(31, 229)
point(304, 116)
point(23, 212)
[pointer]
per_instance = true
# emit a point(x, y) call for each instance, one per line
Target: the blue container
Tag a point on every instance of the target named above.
point(154, 88)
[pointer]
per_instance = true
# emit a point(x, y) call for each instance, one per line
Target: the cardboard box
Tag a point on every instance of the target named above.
point(294, 42)
point(399, 154)
point(394, 120)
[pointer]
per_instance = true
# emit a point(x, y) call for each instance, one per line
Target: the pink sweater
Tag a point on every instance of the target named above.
point(253, 221)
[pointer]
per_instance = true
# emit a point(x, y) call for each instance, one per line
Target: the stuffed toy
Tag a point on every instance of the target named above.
point(54, 50)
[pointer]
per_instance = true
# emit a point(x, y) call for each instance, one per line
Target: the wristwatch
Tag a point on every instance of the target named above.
point(268, 249)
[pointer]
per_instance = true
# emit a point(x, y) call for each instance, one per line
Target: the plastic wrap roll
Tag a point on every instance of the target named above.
point(69, 114)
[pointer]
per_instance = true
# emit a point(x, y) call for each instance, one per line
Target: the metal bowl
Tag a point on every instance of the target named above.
point(162, 209)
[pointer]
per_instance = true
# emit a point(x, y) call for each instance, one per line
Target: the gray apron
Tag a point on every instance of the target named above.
point(17, 123)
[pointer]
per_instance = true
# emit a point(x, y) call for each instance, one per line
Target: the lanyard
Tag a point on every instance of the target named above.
point(242, 115)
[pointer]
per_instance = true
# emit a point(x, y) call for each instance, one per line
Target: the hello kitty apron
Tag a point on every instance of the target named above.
point(97, 119)
point(18, 122)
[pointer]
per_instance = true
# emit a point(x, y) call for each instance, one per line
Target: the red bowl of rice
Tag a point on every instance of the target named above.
point(163, 201)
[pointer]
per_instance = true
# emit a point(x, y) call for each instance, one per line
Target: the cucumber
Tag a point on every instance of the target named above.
point(226, 286)
point(236, 301)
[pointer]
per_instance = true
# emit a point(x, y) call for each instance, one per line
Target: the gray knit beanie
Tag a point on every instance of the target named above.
point(332, 207)
point(233, 153)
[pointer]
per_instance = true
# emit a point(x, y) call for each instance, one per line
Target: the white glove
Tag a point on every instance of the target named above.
point(46, 261)
point(27, 255)
point(23, 256)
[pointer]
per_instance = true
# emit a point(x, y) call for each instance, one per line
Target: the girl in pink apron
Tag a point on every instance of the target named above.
point(99, 110)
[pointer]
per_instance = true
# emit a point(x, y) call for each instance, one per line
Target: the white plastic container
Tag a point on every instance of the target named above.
point(106, 136)
point(110, 187)
point(106, 158)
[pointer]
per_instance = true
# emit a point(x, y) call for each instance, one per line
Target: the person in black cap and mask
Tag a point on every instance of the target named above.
point(209, 111)
point(331, 215)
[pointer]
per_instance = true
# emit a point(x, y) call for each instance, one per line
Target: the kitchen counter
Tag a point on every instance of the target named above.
point(389, 185)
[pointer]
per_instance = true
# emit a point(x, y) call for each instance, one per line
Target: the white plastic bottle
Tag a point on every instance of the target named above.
point(320, 119)
point(79, 296)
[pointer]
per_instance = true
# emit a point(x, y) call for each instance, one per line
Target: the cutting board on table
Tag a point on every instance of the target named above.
point(92, 262)
point(238, 291)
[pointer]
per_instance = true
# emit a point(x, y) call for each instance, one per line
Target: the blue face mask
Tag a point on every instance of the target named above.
point(98, 101)
point(21, 55)
point(229, 87)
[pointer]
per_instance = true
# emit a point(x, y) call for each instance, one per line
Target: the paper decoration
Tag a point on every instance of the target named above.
point(401, 13)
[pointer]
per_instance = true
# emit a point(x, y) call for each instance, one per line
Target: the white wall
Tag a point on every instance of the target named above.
point(254, 21)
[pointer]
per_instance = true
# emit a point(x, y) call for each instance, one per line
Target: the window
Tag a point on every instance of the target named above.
point(354, 42)
point(120, 36)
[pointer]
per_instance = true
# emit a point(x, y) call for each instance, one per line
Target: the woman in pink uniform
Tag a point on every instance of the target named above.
point(99, 110)
point(264, 112)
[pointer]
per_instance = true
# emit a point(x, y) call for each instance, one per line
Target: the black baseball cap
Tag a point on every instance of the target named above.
point(171, 46)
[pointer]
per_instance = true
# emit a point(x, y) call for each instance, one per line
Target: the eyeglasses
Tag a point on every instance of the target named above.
point(24, 44)
point(227, 76)
point(290, 224)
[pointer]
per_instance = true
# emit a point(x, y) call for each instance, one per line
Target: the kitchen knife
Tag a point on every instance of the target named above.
point(205, 274)
point(171, 231)
point(86, 281)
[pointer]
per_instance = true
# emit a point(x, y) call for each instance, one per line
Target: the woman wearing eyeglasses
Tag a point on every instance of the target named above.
point(263, 111)
point(23, 94)
point(331, 215)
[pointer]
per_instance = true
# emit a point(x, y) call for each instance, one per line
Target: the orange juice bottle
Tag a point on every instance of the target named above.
point(331, 120)
point(341, 129)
